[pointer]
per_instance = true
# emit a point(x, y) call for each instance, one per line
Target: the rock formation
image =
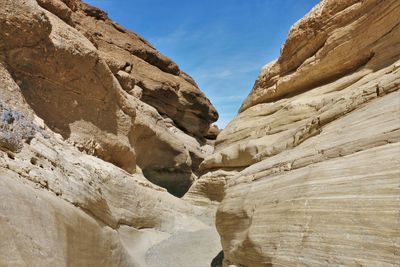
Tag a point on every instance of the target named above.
point(97, 128)
point(311, 162)
point(106, 90)
point(89, 113)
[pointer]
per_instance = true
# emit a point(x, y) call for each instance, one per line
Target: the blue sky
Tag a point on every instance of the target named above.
point(222, 44)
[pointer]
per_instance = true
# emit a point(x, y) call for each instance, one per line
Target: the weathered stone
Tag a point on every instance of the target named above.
point(75, 74)
point(59, 98)
point(316, 147)
point(306, 174)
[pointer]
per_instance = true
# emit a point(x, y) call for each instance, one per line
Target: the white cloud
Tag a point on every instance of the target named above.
point(171, 39)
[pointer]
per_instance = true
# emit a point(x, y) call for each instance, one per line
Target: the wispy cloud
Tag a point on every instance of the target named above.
point(226, 69)
point(221, 44)
point(173, 38)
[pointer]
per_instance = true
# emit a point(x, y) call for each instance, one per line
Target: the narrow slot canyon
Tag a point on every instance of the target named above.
point(111, 155)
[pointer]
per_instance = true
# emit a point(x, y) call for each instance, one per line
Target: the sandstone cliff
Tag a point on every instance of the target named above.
point(309, 169)
point(106, 90)
point(89, 113)
point(96, 126)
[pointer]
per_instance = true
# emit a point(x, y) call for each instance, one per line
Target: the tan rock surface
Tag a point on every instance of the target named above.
point(209, 189)
point(308, 172)
point(86, 207)
point(165, 87)
point(82, 204)
point(39, 229)
point(213, 132)
point(333, 40)
point(331, 200)
point(74, 68)
point(315, 147)
point(61, 103)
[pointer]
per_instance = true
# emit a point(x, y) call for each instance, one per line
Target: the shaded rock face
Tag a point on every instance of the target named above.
point(218, 260)
point(306, 174)
point(311, 162)
point(106, 90)
point(75, 85)
point(213, 132)
point(61, 206)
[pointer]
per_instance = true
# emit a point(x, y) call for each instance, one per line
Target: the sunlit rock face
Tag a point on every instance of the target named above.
point(90, 113)
point(96, 126)
point(107, 90)
point(311, 162)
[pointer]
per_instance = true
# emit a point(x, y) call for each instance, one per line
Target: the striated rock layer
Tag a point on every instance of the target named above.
point(91, 114)
point(106, 90)
point(311, 162)
point(87, 108)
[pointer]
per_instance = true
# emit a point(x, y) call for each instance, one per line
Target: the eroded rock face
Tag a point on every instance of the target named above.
point(65, 98)
point(312, 157)
point(61, 206)
point(135, 62)
point(307, 172)
point(106, 90)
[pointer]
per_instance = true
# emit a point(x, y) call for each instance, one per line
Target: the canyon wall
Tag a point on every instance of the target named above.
point(308, 171)
point(97, 129)
point(106, 90)
point(91, 118)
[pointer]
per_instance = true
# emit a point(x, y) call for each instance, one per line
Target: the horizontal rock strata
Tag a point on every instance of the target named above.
point(311, 160)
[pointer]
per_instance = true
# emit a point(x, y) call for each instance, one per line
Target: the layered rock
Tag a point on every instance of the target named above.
point(311, 161)
point(106, 90)
point(266, 129)
point(70, 92)
point(61, 206)
point(307, 172)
